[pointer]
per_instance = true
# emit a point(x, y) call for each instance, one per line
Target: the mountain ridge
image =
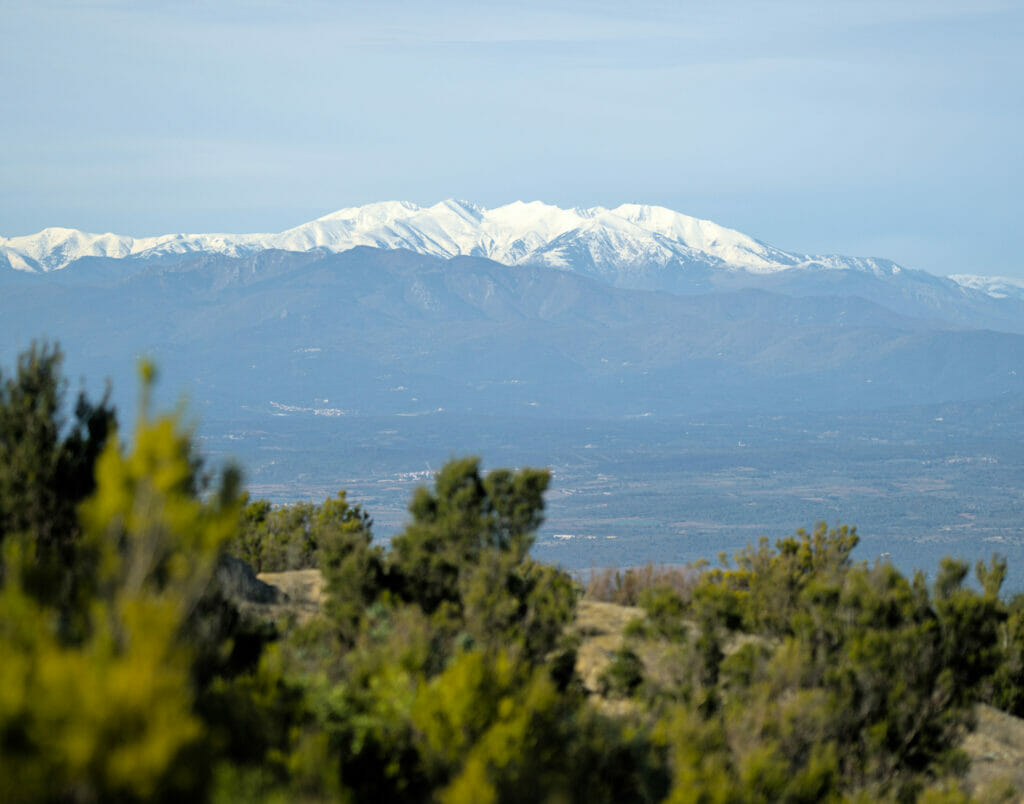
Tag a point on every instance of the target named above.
point(590, 240)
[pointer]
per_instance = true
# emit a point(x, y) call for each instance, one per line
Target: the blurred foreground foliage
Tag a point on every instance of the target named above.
point(444, 667)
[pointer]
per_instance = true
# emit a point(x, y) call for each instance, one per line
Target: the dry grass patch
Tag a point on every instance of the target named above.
point(996, 749)
point(599, 626)
point(305, 591)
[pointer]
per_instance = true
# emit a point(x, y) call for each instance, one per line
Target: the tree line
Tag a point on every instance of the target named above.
point(444, 668)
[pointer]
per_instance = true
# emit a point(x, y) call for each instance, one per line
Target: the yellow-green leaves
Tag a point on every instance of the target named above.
point(102, 719)
point(153, 533)
point(109, 714)
point(489, 725)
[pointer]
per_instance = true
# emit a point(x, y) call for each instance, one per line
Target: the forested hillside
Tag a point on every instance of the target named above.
point(141, 661)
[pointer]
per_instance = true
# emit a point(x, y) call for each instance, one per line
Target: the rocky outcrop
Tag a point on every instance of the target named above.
point(239, 584)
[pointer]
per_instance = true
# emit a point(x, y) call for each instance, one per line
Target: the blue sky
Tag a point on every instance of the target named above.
point(888, 129)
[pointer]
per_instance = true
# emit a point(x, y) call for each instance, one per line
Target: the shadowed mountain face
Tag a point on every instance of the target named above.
point(377, 331)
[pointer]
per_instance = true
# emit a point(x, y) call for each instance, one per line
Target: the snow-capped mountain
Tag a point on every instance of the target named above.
point(620, 245)
point(998, 287)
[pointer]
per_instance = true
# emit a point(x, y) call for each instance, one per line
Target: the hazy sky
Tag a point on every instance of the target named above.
point(869, 128)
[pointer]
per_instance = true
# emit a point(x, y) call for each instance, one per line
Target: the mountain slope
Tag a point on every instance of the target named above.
point(390, 331)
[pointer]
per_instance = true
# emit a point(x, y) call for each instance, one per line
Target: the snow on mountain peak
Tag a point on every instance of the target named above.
point(998, 287)
point(368, 214)
point(596, 240)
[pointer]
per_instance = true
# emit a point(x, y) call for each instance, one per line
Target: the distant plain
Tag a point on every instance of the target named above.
point(918, 483)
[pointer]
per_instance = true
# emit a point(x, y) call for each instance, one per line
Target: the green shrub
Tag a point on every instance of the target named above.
point(623, 675)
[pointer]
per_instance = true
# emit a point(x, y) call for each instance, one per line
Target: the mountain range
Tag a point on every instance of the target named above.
point(632, 246)
point(629, 237)
point(625, 311)
point(621, 245)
